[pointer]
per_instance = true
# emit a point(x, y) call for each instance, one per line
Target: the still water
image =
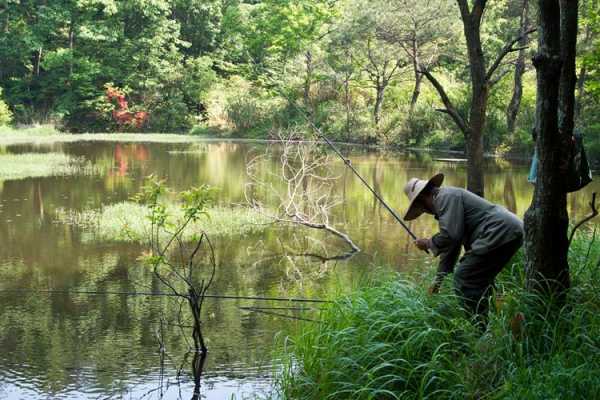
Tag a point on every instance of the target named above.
point(60, 344)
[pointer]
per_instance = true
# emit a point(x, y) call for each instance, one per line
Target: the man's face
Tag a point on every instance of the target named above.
point(425, 201)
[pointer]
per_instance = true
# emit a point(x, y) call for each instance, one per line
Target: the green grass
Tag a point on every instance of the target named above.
point(129, 222)
point(391, 340)
point(47, 134)
point(32, 165)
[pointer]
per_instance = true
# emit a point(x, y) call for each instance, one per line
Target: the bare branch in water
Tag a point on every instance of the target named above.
point(302, 191)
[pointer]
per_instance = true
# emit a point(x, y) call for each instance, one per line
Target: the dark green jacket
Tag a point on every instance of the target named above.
point(471, 221)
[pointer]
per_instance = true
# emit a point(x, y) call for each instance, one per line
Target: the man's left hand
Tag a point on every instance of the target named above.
point(422, 244)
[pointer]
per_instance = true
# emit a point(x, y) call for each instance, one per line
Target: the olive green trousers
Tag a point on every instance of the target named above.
point(475, 274)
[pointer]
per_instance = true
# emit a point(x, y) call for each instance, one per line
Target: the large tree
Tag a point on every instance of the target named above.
point(515, 101)
point(546, 221)
point(420, 28)
point(483, 76)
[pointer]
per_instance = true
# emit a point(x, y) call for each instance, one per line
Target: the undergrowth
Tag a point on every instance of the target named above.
point(391, 340)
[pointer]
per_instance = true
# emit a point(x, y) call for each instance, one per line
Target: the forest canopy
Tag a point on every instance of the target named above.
point(248, 68)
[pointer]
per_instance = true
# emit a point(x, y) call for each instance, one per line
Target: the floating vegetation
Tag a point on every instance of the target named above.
point(33, 165)
point(197, 148)
point(129, 221)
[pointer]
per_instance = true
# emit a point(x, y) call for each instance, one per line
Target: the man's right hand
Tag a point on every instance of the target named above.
point(434, 289)
point(422, 244)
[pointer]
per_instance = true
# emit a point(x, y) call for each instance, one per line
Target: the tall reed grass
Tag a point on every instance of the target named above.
point(391, 340)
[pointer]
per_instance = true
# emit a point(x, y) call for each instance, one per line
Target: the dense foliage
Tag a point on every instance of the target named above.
point(244, 67)
point(392, 341)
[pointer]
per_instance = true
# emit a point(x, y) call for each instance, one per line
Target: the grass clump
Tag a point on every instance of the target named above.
point(47, 134)
point(130, 222)
point(388, 341)
point(391, 340)
point(33, 165)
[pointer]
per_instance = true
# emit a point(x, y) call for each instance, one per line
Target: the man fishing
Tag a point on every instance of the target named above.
point(490, 234)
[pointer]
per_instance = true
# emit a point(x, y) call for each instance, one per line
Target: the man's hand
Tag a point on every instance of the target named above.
point(434, 289)
point(422, 244)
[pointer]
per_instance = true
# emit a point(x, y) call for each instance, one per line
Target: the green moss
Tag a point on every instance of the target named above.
point(31, 165)
point(129, 222)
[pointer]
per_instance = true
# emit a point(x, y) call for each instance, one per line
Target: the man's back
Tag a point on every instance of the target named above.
point(480, 225)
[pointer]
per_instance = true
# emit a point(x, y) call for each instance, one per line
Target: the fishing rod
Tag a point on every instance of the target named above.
point(348, 163)
point(377, 195)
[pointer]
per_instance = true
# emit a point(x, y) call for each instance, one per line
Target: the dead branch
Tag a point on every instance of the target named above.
point(593, 214)
point(301, 192)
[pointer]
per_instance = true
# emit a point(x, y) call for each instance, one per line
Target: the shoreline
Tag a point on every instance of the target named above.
point(15, 137)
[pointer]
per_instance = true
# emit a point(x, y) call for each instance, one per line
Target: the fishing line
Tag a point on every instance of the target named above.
point(156, 294)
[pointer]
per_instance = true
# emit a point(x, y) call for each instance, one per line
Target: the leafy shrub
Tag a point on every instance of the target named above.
point(244, 112)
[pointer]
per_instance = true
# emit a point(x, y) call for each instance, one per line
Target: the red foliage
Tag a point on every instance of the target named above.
point(121, 114)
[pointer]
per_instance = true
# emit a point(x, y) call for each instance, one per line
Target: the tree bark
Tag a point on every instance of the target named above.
point(546, 220)
point(515, 102)
point(418, 78)
point(38, 61)
point(380, 91)
point(479, 95)
point(347, 104)
point(348, 72)
point(71, 44)
point(308, 79)
point(580, 91)
point(582, 76)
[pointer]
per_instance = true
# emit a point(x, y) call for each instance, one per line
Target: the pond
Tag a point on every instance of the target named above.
point(69, 330)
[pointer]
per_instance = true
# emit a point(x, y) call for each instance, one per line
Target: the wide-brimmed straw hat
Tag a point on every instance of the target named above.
point(413, 189)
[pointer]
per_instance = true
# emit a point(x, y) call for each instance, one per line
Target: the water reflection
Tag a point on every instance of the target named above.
point(81, 346)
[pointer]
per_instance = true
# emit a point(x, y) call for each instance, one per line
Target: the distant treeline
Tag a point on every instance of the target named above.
point(231, 67)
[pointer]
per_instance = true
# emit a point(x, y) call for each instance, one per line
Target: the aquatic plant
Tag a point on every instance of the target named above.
point(129, 221)
point(33, 165)
point(392, 341)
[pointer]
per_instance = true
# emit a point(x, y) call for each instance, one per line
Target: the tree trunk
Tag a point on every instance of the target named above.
point(515, 102)
point(308, 79)
point(418, 79)
point(479, 99)
point(584, 45)
point(71, 44)
point(347, 104)
point(546, 220)
point(38, 61)
point(580, 91)
point(380, 89)
point(416, 93)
